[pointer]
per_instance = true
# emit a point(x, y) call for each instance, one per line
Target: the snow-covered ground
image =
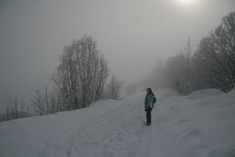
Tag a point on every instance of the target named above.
point(201, 124)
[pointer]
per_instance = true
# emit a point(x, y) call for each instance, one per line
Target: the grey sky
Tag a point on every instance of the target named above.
point(132, 34)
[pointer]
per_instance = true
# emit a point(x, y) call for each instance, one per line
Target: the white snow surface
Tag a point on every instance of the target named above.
point(201, 124)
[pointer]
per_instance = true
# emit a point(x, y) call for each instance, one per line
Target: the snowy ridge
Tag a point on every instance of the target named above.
point(204, 94)
point(201, 124)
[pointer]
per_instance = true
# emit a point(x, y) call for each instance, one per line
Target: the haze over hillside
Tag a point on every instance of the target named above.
point(133, 35)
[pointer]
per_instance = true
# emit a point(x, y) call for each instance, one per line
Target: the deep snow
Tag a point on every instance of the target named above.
point(201, 124)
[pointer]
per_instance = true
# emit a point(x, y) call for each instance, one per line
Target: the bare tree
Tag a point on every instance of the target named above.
point(44, 103)
point(223, 52)
point(81, 75)
point(211, 66)
point(113, 88)
point(14, 111)
point(189, 79)
point(216, 55)
point(176, 70)
point(37, 103)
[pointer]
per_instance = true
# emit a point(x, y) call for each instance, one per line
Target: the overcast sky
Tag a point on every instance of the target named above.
point(131, 34)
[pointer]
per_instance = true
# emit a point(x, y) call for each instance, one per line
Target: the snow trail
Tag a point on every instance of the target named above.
point(120, 132)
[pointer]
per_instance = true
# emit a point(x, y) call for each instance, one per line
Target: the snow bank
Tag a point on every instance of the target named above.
point(204, 94)
point(23, 137)
point(201, 124)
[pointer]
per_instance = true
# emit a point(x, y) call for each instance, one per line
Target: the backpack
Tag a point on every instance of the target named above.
point(154, 100)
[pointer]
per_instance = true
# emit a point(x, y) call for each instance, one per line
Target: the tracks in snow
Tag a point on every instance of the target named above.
point(120, 132)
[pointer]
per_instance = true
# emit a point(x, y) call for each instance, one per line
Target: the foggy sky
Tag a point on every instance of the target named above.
point(131, 34)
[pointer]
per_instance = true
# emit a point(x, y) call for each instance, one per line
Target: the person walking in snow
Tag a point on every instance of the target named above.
point(149, 105)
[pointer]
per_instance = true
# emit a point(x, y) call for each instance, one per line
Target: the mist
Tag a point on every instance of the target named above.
point(132, 35)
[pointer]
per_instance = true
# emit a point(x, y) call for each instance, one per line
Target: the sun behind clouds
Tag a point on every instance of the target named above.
point(186, 1)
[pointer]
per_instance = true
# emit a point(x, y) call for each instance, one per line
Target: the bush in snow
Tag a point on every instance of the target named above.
point(15, 112)
point(46, 103)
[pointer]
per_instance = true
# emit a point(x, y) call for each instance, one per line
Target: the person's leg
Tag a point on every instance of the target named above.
point(148, 115)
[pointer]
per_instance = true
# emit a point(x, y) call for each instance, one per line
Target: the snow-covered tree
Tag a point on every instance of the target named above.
point(211, 66)
point(215, 56)
point(176, 69)
point(81, 74)
point(113, 88)
point(189, 78)
point(37, 103)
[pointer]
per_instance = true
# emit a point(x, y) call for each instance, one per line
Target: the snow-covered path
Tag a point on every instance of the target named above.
point(120, 132)
point(181, 126)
